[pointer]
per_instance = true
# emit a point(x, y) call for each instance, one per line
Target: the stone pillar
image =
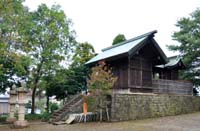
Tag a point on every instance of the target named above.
point(21, 122)
point(12, 102)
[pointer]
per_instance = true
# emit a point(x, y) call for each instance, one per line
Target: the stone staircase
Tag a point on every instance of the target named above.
point(73, 106)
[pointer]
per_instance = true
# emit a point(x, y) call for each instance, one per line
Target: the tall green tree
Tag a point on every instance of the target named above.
point(189, 38)
point(47, 38)
point(13, 64)
point(119, 38)
point(83, 52)
point(79, 72)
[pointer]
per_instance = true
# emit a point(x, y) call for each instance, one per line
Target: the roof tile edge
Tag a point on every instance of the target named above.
point(132, 39)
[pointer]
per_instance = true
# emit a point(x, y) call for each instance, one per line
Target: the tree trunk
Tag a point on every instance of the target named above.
point(101, 111)
point(35, 85)
point(47, 104)
point(33, 100)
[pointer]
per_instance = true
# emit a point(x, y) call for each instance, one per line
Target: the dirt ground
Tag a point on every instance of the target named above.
point(187, 122)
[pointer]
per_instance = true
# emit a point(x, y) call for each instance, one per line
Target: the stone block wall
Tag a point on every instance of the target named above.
point(140, 106)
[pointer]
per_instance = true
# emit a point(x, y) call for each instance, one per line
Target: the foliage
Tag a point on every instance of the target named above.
point(73, 79)
point(91, 101)
point(46, 37)
point(79, 72)
point(189, 47)
point(40, 104)
point(3, 118)
point(101, 78)
point(119, 38)
point(53, 107)
point(12, 62)
point(83, 53)
point(44, 117)
point(28, 104)
point(101, 81)
point(61, 83)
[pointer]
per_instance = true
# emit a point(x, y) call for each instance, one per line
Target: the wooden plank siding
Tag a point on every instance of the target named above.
point(162, 86)
point(136, 72)
point(140, 72)
point(120, 69)
point(167, 74)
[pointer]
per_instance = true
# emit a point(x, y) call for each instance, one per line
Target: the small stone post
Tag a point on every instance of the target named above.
point(12, 102)
point(21, 122)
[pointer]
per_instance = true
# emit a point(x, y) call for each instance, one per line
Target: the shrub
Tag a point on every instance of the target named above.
point(43, 117)
point(33, 117)
point(53, 107)
point(3, 118)
point(91, 103)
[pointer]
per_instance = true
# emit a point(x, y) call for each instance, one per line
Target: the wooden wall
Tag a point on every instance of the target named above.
point(172, 87)
point(167, 74)
point(140, 72)
point(135, 72)
point(120, 69)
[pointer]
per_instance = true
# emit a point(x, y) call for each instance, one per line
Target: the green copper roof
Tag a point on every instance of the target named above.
point(124, 47)
point(173, 61)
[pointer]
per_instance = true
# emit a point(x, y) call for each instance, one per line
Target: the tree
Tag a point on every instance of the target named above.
point(189, 47)
point(13, 64)
point(60, 84)
point(79, 72)
point(119, 38)
point(46, 37)
point(101, 80)
point(83, 53)
point(72, 80)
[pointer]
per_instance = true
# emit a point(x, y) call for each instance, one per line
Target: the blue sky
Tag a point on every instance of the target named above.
point(99, 21)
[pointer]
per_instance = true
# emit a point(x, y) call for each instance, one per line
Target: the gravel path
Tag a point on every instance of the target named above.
point(188, 122)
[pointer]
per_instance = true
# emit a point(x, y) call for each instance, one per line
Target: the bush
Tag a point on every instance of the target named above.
point(43, 117)
point(92, 102)
point(32, 117)
point(53, 107)
point(3, 118)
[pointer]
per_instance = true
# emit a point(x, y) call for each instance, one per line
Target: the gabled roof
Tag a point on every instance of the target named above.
point(174, 61)
point(126, 47)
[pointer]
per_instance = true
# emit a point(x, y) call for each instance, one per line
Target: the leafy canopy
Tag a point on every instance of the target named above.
point(101, 78)
point(46, 37)
point(73, 79)
point(119, 38)
point(13, 63)
point(189, 47)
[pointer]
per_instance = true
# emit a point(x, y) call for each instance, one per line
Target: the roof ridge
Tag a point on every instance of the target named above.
point(174, 57)
point(132, 39)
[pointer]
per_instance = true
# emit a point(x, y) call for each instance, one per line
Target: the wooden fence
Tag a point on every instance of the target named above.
point(179, 87)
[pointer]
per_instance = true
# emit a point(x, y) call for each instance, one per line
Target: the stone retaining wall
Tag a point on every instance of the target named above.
point(140, 106)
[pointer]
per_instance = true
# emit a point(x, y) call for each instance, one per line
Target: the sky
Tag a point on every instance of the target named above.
point(99, 21)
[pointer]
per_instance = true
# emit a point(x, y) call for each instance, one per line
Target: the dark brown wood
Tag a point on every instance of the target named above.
point(162, 86)
point(136, 71)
